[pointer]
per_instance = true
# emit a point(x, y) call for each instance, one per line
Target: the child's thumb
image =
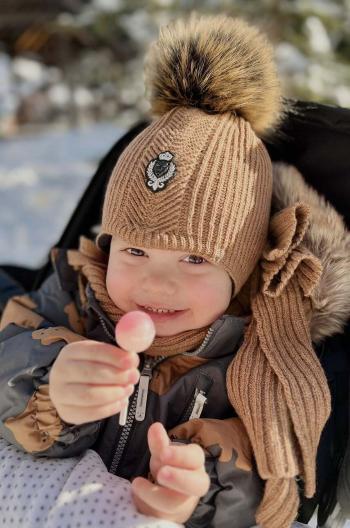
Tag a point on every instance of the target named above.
point(157, 438)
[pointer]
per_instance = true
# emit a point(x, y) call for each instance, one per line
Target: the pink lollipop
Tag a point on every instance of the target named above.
point(135, 333)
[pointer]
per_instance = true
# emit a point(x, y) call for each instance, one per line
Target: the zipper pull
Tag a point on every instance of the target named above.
point(146, 375)
point(199, 403)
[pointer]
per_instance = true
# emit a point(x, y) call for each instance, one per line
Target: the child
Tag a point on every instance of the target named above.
point(232, 373)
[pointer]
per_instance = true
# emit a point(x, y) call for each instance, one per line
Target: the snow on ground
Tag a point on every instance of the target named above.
point(41, 180)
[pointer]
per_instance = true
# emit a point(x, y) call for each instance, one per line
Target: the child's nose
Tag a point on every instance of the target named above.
point(159, 283)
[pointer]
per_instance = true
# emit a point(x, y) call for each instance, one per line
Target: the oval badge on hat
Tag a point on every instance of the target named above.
point(159, 171)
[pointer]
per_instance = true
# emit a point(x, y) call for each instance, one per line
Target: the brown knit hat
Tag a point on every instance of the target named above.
point(199, 179)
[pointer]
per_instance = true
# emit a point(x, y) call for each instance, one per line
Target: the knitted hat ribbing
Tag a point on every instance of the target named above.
point(217, 204)
point(200, 179)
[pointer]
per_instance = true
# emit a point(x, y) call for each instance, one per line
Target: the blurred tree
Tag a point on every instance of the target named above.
point(97, 49)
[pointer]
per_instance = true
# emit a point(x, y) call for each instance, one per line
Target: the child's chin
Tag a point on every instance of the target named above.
point(166, 333)
point(163, 330)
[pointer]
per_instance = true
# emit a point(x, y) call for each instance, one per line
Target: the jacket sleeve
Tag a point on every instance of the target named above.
point(236, 489)
point(33, 329)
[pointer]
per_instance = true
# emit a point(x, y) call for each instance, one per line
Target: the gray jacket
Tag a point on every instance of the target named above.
point(35, 328)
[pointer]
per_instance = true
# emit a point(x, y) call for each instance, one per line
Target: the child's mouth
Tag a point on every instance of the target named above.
point(160, 316)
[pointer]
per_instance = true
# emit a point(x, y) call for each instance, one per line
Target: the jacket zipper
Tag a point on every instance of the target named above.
point(139, 400)
point(199, 398)
point(203, 345)
point(124, 436)
point(196, 406)
point(137, 408)
point(142, 393)
point(104, 326)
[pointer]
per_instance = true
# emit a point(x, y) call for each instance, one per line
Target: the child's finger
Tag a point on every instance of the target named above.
point(160, 498)
point(96, 373)
point(89, 350)
point(187, 456)
point(190, 456)
point(157, 438)
point(84, 395)
point(145, 508)
point(155, 465)
point(188, 482)
point(79, 415)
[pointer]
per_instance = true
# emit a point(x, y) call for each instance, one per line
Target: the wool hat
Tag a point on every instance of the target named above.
point(199, 179)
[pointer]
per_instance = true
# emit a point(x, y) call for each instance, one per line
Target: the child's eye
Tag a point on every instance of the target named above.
point(129, 250)
point(196, 260)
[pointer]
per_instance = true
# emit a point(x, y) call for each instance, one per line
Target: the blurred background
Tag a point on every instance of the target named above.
point(71, 83)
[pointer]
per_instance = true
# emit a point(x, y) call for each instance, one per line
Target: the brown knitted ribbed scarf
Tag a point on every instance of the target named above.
point(92, 263)
point(275, 382)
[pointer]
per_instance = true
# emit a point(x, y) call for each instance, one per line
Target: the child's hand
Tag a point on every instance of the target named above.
point(180, 475)
point(91, 380)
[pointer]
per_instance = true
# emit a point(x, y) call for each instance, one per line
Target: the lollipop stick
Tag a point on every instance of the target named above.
point(135, 333)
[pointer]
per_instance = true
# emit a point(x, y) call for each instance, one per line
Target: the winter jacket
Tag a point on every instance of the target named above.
point(187, 392)
point(39, 324)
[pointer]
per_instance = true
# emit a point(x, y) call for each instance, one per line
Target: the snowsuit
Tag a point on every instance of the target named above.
point(187, 392)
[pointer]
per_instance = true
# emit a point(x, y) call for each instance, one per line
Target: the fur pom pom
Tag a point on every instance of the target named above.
point(218, 64)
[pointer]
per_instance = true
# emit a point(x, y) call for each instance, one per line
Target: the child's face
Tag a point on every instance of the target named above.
point(140, 278)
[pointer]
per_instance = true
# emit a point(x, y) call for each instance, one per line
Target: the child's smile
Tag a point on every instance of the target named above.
point(161, 315)
point(179, 290)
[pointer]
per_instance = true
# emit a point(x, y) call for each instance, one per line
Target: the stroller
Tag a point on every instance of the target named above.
point(315, 139)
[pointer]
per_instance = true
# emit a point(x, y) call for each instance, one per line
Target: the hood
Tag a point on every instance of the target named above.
point(328, 239)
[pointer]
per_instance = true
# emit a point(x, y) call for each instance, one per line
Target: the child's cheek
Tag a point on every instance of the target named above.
point(210, 301)
point(117, 285)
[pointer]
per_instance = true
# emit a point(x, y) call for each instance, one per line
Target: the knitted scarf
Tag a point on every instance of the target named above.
point(275, 382)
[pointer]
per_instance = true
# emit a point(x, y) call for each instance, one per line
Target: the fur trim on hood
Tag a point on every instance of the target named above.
point(329, 239)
